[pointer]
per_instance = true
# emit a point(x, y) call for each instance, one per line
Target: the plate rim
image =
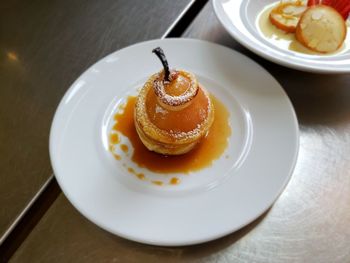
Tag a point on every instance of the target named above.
point(192, 241)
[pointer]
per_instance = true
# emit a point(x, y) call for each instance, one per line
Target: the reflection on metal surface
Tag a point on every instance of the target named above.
point(176, 21)
point(310, 222)
point(12, 56)
point(55, 44)
point(25, 210)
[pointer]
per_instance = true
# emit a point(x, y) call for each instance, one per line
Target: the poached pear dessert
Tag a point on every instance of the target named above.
point(173, 112)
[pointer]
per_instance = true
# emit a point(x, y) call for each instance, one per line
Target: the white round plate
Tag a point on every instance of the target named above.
point(206, 205)
point(239, 18)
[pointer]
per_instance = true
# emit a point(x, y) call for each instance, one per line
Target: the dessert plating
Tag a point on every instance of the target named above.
point(312, 27)
point(173, 112)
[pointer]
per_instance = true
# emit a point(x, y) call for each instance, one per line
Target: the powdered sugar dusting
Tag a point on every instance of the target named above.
point(161, 110)
point(152, 131)
point(159, 89)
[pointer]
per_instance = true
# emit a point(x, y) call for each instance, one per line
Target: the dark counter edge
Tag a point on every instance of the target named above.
point(48, 193)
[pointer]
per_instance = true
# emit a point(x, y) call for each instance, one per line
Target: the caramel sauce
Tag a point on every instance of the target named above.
point(203, 155)
point(156, 182)
point(124, 148)
point(111, 147)
point(114, 138)
point(141, 176)
point(117, 156)
point(174, 181)
point(184, 120)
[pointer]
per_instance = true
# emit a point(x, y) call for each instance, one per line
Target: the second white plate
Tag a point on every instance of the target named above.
point(207, 204)
point(239, 18)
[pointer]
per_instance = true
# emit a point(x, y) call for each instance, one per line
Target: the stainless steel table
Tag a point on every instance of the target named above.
point(44, 47)
point(310, 222)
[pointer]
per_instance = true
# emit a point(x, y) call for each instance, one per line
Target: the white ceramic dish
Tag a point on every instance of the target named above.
point(239, 17)
point(207, 204)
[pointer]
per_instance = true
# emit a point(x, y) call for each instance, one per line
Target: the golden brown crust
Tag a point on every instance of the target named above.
point(163, 148)
point(287, 21)
point(165, 142)
point(183, 99)
point(300, 30)
point(287, 29)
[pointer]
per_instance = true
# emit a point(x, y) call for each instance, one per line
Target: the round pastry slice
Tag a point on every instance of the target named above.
point(321, 28)
point(173, 112)
point(285, 16)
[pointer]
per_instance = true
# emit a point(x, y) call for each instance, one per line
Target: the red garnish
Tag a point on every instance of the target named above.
point(327, 2)
point(313, 2)
point(345, 12)
point(342, 6)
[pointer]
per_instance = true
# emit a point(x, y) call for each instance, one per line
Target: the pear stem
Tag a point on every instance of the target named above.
point(160, 54)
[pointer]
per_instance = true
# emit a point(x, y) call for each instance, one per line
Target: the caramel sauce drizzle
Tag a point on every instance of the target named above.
point(203, 155)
